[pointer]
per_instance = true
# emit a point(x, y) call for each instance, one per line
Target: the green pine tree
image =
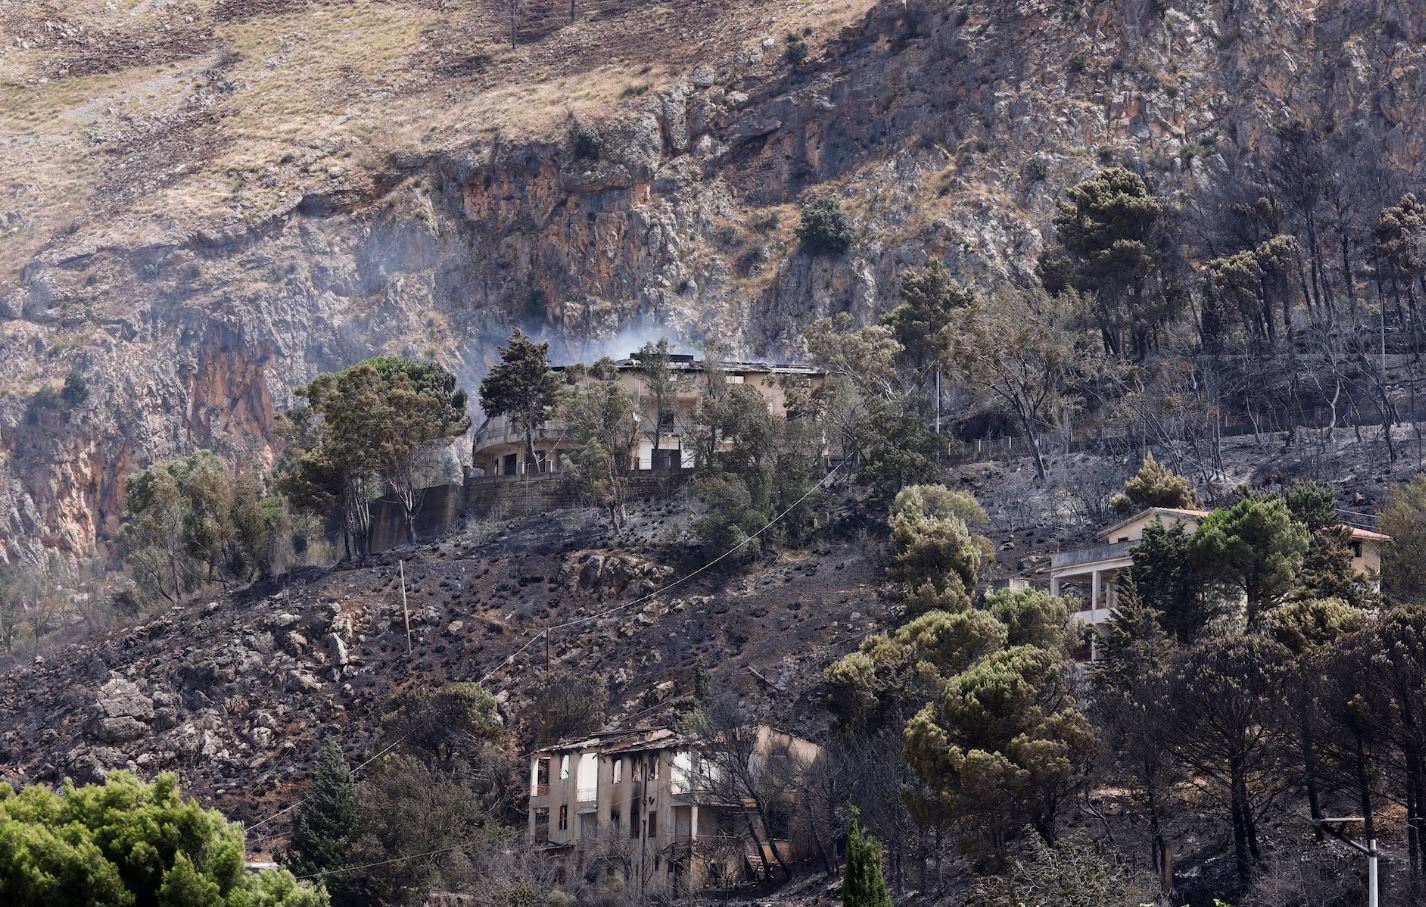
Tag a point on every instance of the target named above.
point(863, 885)
point(325, 827)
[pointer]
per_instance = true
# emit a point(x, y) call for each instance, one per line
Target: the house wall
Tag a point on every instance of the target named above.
point(499, 441)
point(498, 499)
point(441, 509)
point(1369, 562)
point(1134, 531)
point(652, 783)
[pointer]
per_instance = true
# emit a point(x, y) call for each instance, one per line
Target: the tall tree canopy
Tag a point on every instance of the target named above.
point(522, 388)
point(1108, 229)
point(1019, 350)
point(1256, 545)
point(375, 425)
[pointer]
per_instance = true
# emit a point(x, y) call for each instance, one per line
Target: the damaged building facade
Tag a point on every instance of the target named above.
point(664, 443)
point(669, 813)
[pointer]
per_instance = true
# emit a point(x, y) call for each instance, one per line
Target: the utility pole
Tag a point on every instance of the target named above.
point(405, 611)
point(1368, 850)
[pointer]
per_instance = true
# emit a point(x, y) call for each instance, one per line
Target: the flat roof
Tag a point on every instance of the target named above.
point(1357, 533)
point(683, 362)
point(618, 741)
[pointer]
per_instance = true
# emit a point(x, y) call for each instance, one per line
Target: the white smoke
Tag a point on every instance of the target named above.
point(567, 350)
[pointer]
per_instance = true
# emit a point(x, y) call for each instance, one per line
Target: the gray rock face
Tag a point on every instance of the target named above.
point(922, 116)
point(336, 651)
point(123, 712)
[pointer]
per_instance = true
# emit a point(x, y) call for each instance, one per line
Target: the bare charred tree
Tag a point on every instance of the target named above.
point(512, 7)
point(1301, 178)
point(750, 770)
point(825, 791)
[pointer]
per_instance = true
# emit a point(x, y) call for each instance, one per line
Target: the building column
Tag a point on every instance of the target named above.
point(1054, 585)
point(1093, 596)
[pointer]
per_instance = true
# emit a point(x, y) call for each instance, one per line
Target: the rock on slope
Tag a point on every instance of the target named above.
point(237, 694)
point(207, 203)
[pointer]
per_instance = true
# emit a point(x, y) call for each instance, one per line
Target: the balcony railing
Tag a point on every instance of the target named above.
point(1091, 555)
point(499, 430)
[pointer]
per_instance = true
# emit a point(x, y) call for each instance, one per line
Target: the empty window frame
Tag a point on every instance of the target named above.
point(586, 779)
point(564, 817)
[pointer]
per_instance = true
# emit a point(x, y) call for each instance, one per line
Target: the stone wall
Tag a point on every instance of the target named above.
point(441, 510)
point(503, 497)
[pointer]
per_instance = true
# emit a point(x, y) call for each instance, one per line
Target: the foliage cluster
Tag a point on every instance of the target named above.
point(128, 843)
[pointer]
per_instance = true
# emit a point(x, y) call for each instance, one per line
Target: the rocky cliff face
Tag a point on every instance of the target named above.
point(947, 130)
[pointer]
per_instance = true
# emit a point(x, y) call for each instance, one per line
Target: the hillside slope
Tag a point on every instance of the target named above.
point(208, 202)
point(238, 694)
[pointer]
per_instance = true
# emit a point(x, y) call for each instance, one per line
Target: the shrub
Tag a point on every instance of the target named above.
point(797, 49)
point(584, 140)
point(825, 229)
point(45, 398)
point(130, 842)
point(76, 389)
point(1155, 485)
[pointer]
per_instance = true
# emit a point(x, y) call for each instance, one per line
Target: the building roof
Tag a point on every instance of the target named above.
point(620, 740)
point(1357, 533)
point(684, 362)
point(1367, 535)
point(1174, 511)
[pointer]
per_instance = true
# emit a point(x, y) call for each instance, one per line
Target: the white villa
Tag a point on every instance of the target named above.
point(499, 450)
point(1093, 569)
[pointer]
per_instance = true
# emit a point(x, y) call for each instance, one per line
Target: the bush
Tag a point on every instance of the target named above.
point(584, 140)
point(75, 390)
point(934, 554)
point(568, 705)
point(46, 399)
point(125, 842)
point(1065, 874)
point(825, 229)
point(797, 49)
point(1155, 485)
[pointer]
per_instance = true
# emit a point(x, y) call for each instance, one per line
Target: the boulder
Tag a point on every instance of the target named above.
point(123, 712)
point(336, 651)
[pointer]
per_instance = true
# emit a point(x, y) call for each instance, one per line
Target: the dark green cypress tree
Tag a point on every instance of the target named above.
point(863, 885)
point(326, 825)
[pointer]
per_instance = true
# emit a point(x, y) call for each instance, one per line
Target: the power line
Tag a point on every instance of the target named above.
point(726, 554)
point(388, 748)
point(499, 666)
point(415, 856)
